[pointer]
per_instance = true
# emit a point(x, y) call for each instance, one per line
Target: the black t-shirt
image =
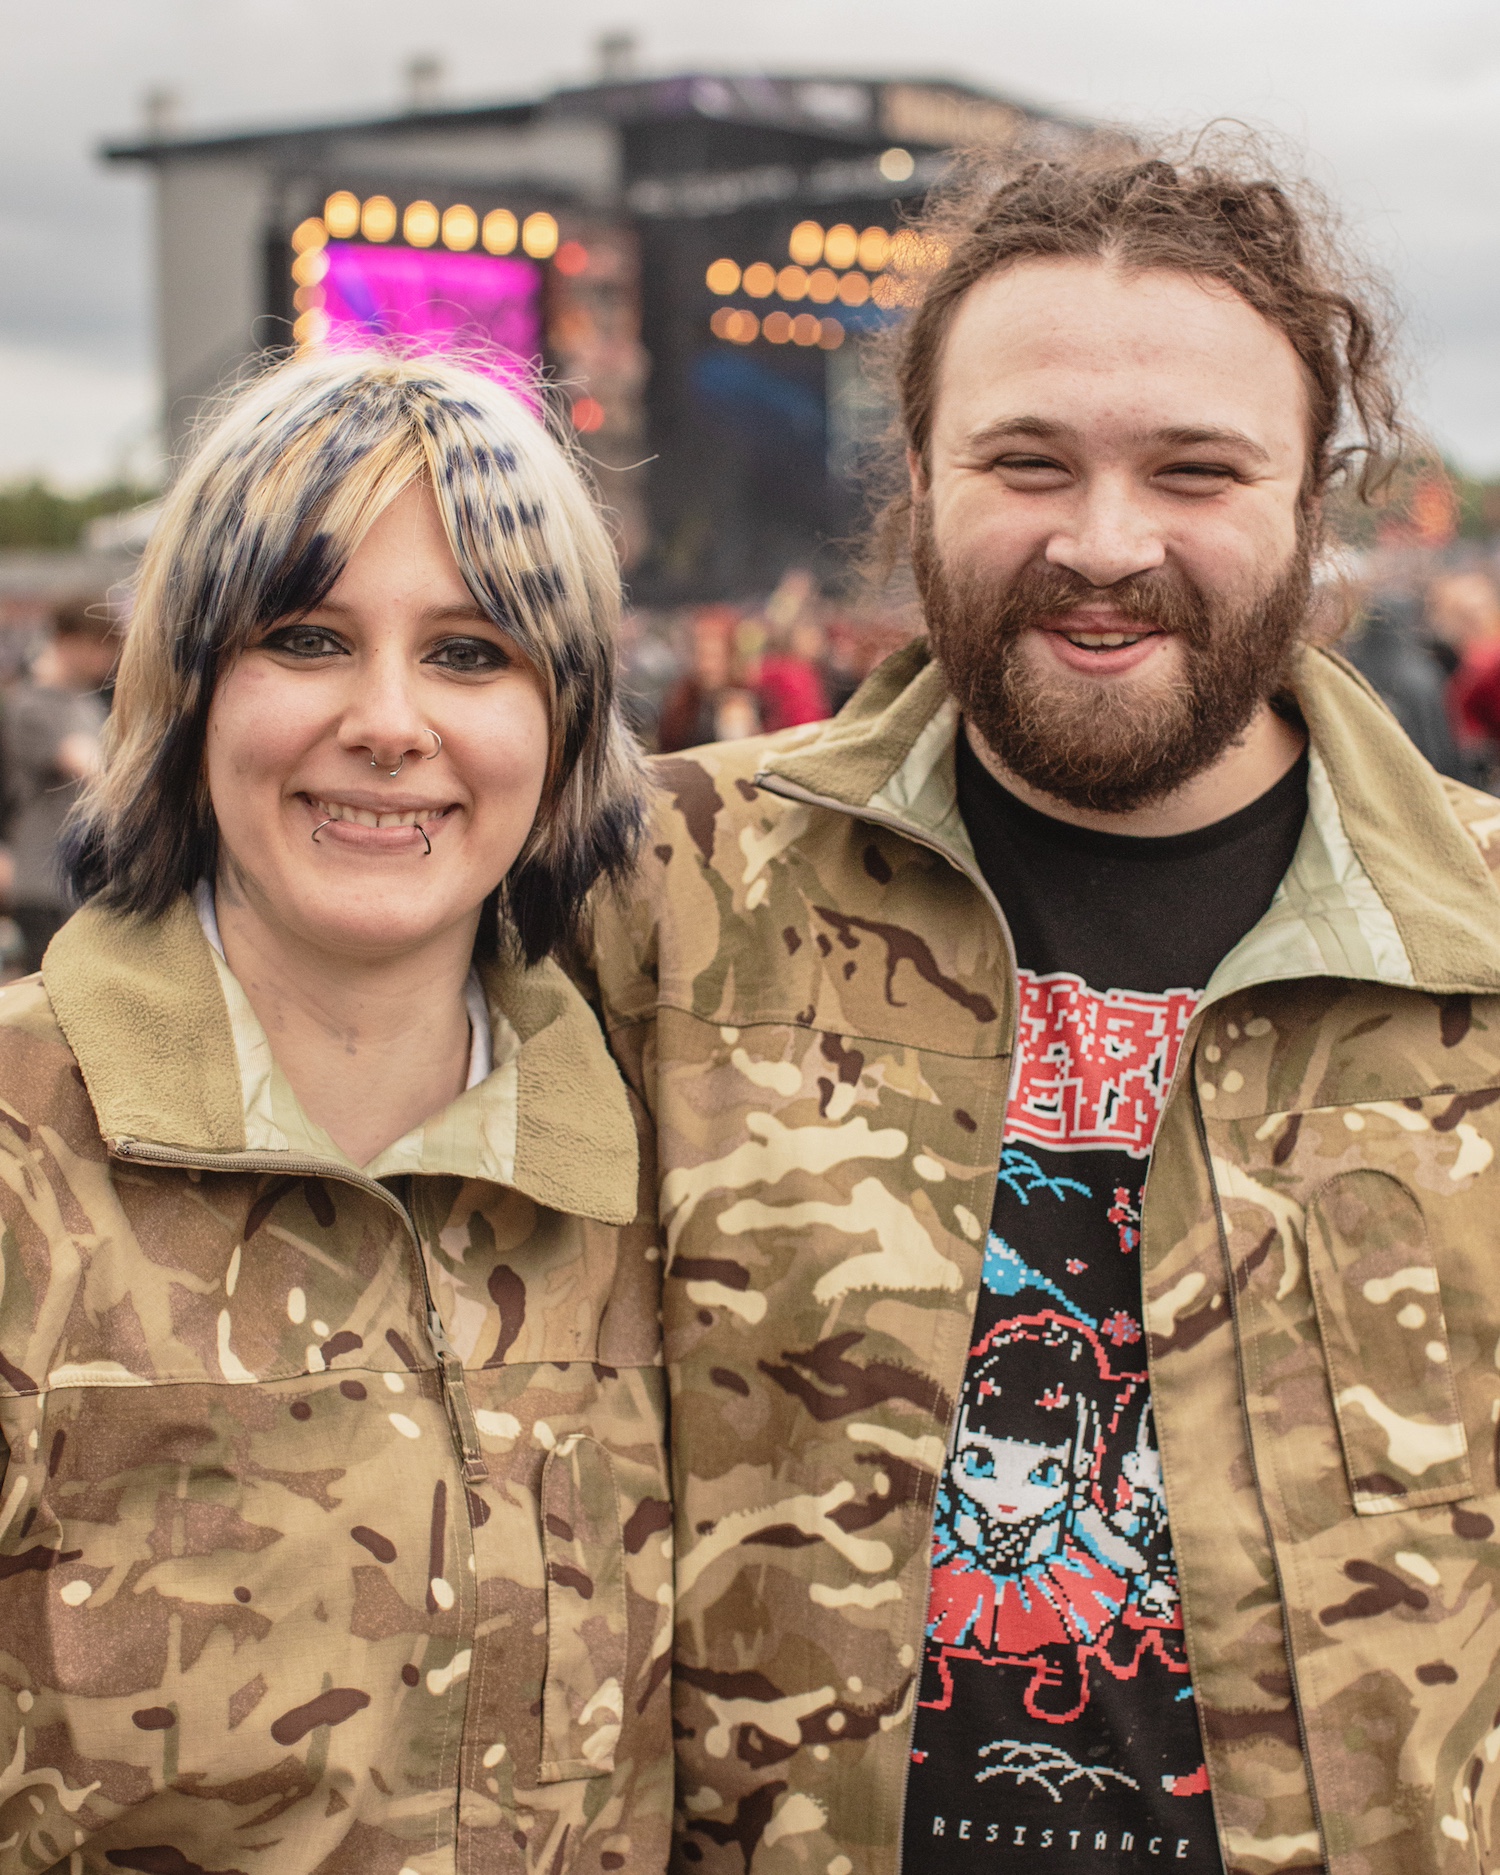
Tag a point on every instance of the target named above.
point(1056, 1723)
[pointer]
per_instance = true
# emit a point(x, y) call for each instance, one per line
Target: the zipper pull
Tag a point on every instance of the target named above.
point(456, 1399)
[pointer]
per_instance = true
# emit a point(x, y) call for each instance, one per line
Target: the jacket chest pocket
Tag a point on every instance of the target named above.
point(583, 1543)
point(1380, 1317)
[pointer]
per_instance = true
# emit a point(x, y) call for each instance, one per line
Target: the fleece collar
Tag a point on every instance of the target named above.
point(1386, 885)
point(172, 1054)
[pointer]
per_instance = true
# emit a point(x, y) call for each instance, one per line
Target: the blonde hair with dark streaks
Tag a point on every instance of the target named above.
point(280, 488)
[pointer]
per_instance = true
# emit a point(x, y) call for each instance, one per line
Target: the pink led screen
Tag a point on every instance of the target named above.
point(433, 297)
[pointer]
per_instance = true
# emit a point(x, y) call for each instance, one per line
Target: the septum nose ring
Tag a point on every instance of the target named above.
point(393, 772)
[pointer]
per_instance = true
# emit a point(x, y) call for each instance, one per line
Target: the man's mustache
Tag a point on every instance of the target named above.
point(1162, 598)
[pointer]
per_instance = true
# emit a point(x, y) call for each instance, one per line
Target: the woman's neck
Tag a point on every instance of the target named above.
point(371, 1046)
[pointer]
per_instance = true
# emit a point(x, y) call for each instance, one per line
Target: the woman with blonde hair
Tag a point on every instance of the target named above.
point(332, 1528)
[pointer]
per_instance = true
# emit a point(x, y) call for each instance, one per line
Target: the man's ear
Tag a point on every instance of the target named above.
point(916, 482)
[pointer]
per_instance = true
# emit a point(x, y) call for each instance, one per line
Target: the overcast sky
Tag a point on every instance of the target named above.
point(1395, 103)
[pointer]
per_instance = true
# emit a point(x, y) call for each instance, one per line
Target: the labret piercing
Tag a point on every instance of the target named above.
point(393, 772)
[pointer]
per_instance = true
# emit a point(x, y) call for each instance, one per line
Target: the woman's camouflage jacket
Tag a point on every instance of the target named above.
point(334, 1533)
point(814, 995)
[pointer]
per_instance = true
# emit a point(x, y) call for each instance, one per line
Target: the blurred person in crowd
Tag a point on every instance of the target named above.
point(710, 702)
point(648, 669)
point(330, 1381)
point(1389, 650)
point(790, 686)
point(1116, 869)
point(49, 742)
point(1463, 618)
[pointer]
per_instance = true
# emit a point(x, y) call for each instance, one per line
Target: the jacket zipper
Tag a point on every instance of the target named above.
point(773, 784)
point(1201, 1128)
point(456, 1404)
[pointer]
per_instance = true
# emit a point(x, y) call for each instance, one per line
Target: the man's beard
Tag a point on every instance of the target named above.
point(1067, 736)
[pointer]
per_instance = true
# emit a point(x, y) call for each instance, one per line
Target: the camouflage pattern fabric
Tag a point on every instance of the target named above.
point(290, 1578)
point(812, 994)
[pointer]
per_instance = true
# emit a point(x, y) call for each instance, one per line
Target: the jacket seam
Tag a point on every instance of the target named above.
point(789, 1021)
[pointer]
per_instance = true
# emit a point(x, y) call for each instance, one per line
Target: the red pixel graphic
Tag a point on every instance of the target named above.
point(1094, 1067)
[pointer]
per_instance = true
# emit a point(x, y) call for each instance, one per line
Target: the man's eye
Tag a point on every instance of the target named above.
point(1199, 472)
point(470, 656)
point(303, 641)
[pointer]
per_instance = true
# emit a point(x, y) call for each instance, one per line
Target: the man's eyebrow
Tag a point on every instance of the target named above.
point(1186, 435)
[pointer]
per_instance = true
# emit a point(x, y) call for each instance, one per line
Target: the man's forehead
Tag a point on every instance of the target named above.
point(1073, 344)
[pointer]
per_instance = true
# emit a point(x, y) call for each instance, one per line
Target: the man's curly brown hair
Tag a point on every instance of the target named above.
point(1220, 212)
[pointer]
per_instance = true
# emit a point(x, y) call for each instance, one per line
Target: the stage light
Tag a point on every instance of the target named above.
point(806, 244)
point(539, 235)
point(720, 321)
point(791, 283)
point(854, 289)
point(896, 165)
point(572, 258)
point(308, 299)
point(500, 231)
point(807, 329)
point(823, 286)
point(777, 327)
point(760, 280)
point(588, 415)
point(830, 334)
point(460, 227)
point(309, 234)
point(311, 328)
point(723, 277)
point(309, 268)
point(841, 246)
point(888, 292)
point(377, 219)
point(745, 328)
point(341, 214)
point(420, 224)
point(874, 249)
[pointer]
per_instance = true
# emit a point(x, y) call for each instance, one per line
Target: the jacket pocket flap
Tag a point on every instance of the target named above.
point(1380, 1315)
point(583, 1695)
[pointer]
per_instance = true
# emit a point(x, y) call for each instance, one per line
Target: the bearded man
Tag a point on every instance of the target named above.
point(1114, 870)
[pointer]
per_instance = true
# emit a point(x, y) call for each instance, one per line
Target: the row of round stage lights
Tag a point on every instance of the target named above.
point(423, 225)
point(838, 248)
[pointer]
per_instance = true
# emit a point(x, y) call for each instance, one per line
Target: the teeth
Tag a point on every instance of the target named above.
point(363, 816)
point(1104, 641)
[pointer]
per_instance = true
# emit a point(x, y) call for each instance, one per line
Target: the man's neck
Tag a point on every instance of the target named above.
point(1242, 774)
point(371, 1048)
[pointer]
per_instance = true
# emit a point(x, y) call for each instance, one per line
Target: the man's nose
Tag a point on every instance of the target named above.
point(1110, 536)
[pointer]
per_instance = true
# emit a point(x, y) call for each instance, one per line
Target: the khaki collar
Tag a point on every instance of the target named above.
point(143, 1009)
point(1387, 885)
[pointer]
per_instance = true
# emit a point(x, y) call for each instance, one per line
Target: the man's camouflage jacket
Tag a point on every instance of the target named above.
point(814, 994)
point(334, 1530)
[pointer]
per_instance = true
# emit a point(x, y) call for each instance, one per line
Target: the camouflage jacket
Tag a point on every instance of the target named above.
point(814, 995)
point(334, 1534)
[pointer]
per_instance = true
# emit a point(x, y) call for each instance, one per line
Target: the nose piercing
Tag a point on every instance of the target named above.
point(438, 750)
point(392, 772)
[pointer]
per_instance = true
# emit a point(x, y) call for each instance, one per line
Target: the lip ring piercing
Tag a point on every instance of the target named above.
point(418, 829)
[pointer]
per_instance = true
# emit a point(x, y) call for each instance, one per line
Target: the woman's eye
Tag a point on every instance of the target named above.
point(303, 641)
point(470, 656)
